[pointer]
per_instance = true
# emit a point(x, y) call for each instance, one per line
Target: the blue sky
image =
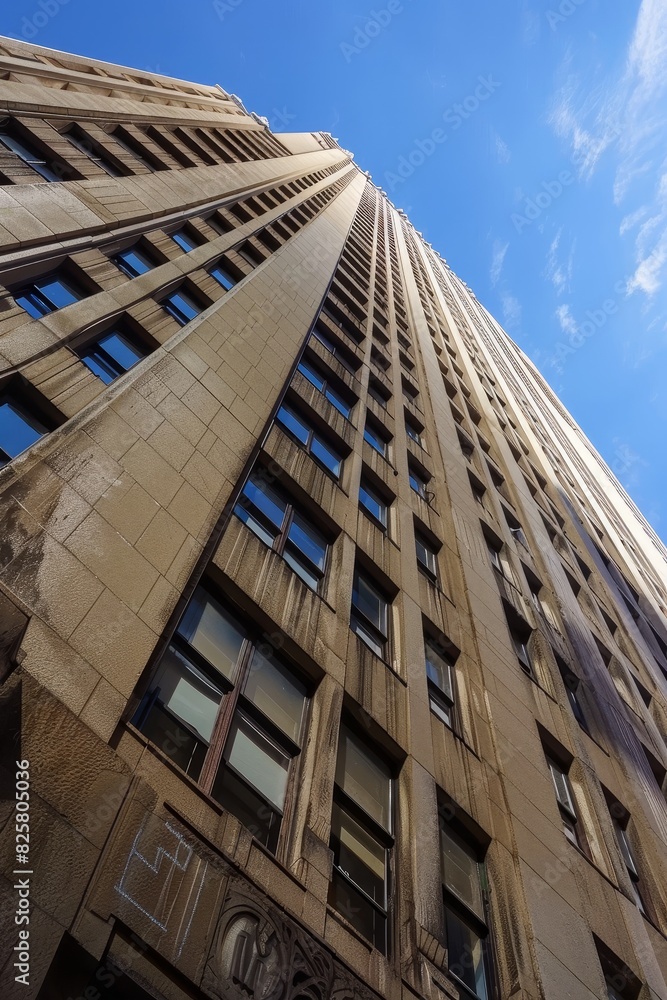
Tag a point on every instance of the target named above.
point(525, 138)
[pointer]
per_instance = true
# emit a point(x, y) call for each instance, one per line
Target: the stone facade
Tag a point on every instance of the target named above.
point(335, 655)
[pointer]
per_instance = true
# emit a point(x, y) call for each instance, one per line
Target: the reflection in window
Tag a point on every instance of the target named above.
point(19, 428)
point(361, 838)
point(268, 511)
point(229, 713)
point(112, 355)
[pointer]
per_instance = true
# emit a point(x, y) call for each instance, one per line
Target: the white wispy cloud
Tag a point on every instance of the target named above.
point(511, 310)
point(497, 261)
point(628, 113)
point(502, 150)
point(566, 319)
point(631, 220)
point(558, 271)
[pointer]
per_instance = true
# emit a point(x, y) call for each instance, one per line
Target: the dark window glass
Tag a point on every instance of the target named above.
point(370, 614)
point(373, 503)
point(268, 511)
point(417, 482)
point(440, 681)
point(93, 150)
point(137, 149)
point(361, 838)
point(320, 383)
point(19, 428)
point(111, 355)
point(186, 240)
point(182, 306)
point(134, 261)
point(229, 713)
point(321, 450)
point(376, 440)
point(46, 295)
point(222, 277)
point(14, 140)
point(465, 911)
point(566, 803)
point(426, 557)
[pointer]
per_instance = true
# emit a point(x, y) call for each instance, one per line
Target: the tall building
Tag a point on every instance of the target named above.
point(333, 658)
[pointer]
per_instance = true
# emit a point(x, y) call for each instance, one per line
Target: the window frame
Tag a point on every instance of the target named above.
point(360, 623)
point(94, 150)
point(430, 572)
point(95, 350)
point(234, 703)
point(331, 394)
point(29, 416)
point(30, 152)
point(569, 814)
point(443, 704)
point(373, 828)
point(140, 249)
point(313, 435)
point(282, 541)
point(374, 434)
point(39, 299)
point(455, 908)
point(418, 477)
point(383, 503)
point(192, 298)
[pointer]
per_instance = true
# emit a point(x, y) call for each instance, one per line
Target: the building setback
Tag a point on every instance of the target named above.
point(333, 658)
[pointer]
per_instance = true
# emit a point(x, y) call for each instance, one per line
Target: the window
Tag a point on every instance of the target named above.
point(572, 689)
point(19, 427)
point(135, 260)
point(620, 819)
point(520, 633)
point(463, 889)
point(228, 713)
point(376, 437)
point(268, 511)
point(361, 839)
point(378, 392)
point(427, 558)
point(478, 489)
point(137, 149)
point(345, 357)
point(566, 804)
point(620, 981)
point(409, 391)
point(370, 614)
point(515, 528)
point(418, 481)
point(321, 383)
point(440, 656)
point(467, 447)
point(94, 151)
point(182, 305)
point(497, 554)
point(223, 277)
point(187, 238)
point(373, 503)
point(298, 427)
point(112, 354)
point(19, 141)
point(47, 294)
point(414, 430)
